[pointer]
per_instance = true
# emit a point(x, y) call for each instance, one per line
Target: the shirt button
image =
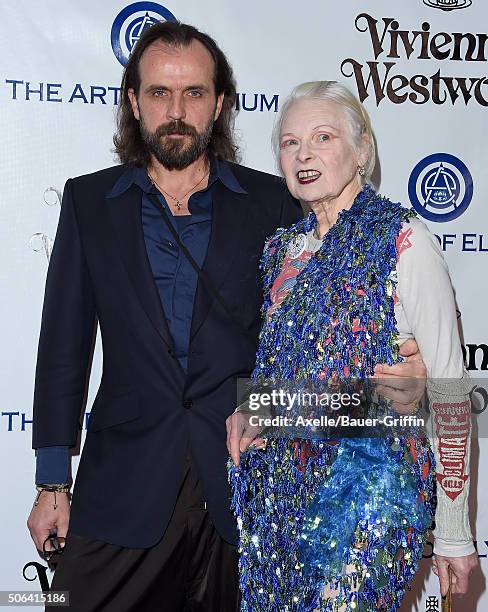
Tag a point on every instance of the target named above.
point(187, 403)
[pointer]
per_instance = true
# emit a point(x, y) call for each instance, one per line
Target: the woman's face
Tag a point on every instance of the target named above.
point(317, 156)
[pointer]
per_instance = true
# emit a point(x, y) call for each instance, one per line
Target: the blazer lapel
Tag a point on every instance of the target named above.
point(125, 215)
point(229, 213)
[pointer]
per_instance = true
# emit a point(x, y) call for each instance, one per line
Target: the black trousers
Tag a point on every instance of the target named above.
point(191, 569)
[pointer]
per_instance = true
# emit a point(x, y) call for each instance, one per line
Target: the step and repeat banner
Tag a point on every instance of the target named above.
point(420, 67)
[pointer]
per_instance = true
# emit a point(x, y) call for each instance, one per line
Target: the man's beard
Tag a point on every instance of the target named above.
point(176, 153)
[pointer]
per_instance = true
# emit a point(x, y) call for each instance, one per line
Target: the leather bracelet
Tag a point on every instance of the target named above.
point(54, 488)
point(59, 488)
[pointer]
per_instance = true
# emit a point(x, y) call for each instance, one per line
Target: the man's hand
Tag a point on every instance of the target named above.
point(240, 435)
point(44, 517)
point(461, 567)
point(403, 383)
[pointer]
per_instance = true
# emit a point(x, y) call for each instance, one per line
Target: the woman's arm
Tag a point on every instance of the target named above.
point(426, 306)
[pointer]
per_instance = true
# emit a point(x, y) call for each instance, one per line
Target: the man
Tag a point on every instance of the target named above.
point(150, 525)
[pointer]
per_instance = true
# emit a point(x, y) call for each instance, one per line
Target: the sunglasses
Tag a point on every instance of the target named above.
point(53, 546)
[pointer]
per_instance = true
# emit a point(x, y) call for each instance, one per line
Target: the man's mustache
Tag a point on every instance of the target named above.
point(176, 127)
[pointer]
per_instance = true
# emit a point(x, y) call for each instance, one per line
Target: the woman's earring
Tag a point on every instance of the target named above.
point(361, 171)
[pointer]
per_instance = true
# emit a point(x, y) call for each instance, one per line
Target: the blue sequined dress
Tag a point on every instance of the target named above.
point(331, 524)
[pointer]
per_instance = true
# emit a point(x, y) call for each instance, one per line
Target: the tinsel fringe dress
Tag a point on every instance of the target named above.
point(309, 508)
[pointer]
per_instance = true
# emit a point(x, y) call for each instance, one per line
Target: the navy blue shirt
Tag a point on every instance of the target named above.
point(175, 278)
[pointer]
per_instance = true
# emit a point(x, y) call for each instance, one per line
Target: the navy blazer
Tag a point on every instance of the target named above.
point(146, 411)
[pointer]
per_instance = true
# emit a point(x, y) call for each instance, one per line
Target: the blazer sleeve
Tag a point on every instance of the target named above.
point(66, 338)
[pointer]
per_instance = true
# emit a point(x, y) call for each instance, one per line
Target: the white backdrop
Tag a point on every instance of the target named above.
point(426, 89)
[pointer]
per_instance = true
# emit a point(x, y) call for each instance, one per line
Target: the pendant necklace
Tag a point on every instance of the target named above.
point(176, 200)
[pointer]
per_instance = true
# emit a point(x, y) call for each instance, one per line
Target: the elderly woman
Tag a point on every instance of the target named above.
point(340, 524)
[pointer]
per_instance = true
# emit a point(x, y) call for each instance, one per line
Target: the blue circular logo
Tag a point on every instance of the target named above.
point(131, 22)
point(440, 187)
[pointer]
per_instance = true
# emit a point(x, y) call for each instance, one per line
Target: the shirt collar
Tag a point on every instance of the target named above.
point(137, 175)
point(224, 173)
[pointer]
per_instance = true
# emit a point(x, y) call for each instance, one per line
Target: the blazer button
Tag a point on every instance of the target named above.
point(187, 403)
point(171, 353)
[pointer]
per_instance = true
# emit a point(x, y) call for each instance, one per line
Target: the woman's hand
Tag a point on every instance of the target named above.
point(461, 567)
point(240, 435)
point(403, 383)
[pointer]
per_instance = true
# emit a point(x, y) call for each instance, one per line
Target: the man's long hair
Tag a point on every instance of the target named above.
point(128, 142)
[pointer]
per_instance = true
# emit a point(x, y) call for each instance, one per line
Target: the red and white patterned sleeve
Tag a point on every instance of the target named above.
point(426, 306)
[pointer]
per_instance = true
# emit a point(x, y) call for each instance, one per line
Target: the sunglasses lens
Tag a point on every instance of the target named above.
point(52, 546)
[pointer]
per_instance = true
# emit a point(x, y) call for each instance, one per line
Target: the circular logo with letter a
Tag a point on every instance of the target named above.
point(440, 187)
point(131, 22)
